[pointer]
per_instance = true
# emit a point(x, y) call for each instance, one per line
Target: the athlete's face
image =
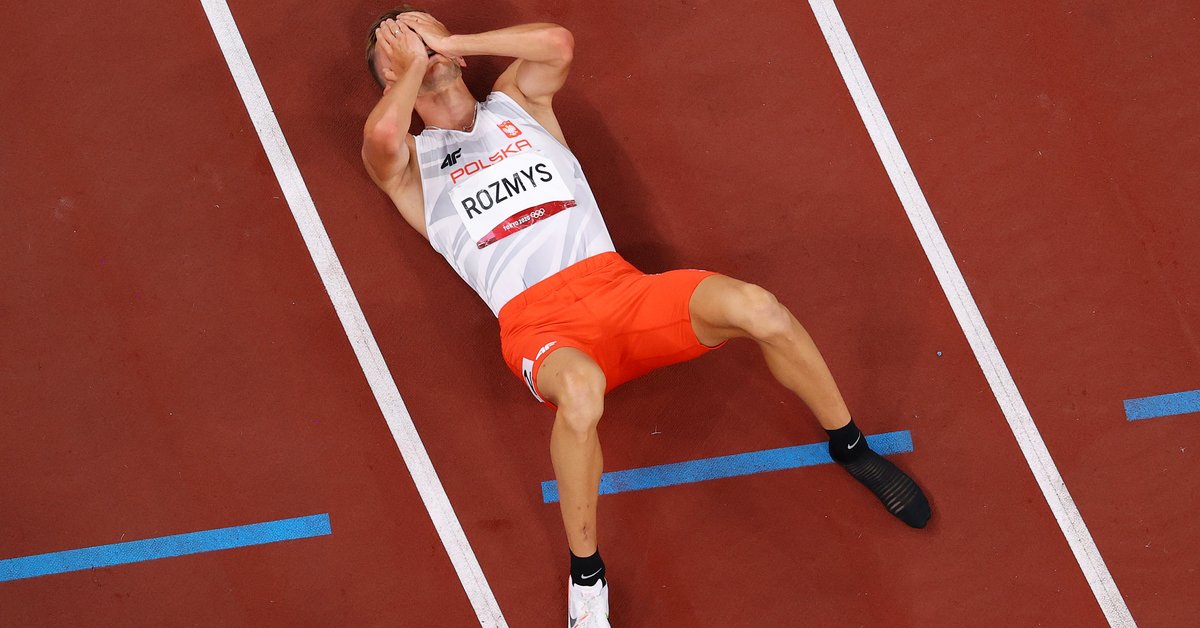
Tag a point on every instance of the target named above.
point(442, 71)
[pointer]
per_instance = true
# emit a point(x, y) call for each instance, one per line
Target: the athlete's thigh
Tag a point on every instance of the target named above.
point(715, 308)
point(647, 324)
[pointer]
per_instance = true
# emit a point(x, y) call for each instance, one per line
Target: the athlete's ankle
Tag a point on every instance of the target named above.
point(847, 443)
point(587, 571)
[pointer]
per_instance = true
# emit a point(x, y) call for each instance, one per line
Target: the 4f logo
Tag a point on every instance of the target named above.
point(452, 158)
point(510, 129)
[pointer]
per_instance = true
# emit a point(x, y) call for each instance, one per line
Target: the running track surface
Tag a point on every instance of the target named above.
point(172, 363)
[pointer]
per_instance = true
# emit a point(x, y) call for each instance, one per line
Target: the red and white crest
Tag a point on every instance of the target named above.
point(510, 129)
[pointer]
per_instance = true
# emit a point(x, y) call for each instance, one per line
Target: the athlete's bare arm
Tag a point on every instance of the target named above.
point(543, 55)
point(387, 145)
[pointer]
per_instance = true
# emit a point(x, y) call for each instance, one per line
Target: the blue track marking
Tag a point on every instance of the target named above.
point(1162, 405)
point(164, 547)
point(730, 466)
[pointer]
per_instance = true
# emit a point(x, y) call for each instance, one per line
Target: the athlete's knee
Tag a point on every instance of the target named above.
point(760, 314)
point(580, 396)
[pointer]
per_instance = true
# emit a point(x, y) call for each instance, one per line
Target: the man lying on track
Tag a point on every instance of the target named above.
point(496, 191)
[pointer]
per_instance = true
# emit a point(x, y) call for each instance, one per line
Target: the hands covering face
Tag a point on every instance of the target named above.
point(402, 48)
point(434, 33)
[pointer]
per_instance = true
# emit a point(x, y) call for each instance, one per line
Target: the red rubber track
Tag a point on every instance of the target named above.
point(1057, 145)
point(172, 362)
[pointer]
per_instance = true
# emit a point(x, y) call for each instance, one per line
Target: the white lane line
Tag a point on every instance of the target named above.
point(348, 310)
point(969, 318)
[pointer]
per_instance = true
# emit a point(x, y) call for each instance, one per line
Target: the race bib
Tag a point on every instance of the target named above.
point(510, 196)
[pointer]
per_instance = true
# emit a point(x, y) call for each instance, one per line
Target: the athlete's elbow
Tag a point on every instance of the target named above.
point(379, 132)
point(383, 139)
point(561, 42)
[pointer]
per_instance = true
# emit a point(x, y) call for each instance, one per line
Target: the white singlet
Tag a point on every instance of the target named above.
point(506, 203)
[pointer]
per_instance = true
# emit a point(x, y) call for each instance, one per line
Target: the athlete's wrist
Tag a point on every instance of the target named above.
point(414, 74)
point(406, 85)
point(453, 46)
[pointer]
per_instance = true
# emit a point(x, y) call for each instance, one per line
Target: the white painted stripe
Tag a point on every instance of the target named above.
point(969, 318)
point(351, 315)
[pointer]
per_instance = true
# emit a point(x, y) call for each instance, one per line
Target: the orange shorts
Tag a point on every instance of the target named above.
point(629, 322)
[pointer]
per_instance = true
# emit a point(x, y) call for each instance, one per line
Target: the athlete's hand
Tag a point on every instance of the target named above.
point(403, 49)
point(435, 34)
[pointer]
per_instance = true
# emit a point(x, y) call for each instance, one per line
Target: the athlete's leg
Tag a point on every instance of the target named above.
point(723, 308)
point(574, 383)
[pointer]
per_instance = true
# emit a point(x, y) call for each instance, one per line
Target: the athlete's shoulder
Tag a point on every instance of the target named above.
point(500, 102)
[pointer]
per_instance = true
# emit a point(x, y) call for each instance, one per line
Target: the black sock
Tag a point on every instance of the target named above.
point(846, 443)
point(898, 492)
point(587, 571)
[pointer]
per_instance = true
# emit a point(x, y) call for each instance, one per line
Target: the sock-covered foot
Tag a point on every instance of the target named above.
point(899, 494)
